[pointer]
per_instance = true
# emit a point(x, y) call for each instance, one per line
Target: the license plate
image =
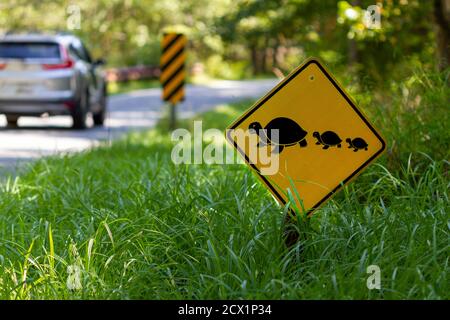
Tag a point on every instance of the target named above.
point(23, 89)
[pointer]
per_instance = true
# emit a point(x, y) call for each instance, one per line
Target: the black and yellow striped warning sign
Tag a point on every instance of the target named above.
point(172, 67)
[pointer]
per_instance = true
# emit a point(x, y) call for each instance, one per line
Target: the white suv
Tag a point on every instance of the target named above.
point(50, 74)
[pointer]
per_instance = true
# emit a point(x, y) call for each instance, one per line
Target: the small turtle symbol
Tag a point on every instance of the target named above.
point(327, 139)
point(357, 144)
point(289, 134)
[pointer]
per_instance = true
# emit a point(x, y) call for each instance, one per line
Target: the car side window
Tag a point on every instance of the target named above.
point(74, 51)
point(80, 51)
point(86, 53)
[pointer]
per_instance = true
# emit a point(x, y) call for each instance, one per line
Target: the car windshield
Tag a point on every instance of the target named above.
point(29, 50)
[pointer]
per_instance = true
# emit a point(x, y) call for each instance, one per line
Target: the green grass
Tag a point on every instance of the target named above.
point(139, 227)
point(127, 86)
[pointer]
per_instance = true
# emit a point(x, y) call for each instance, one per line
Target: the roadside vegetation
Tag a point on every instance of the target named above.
point(116, 87)
point(124, 222)
point(241, 38)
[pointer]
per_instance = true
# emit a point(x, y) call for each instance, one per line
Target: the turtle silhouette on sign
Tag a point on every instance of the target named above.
point(357, 144)
point(289, 134)
point(327, 139)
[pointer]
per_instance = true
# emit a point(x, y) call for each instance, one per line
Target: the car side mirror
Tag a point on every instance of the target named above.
point(100, 62)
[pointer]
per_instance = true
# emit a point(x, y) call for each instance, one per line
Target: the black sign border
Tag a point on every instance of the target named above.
point(270, 95)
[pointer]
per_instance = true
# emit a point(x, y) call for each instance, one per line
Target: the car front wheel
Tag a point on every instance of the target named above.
point(99, 117)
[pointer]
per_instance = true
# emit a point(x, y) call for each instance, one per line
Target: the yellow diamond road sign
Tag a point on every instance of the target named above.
point(314, 132)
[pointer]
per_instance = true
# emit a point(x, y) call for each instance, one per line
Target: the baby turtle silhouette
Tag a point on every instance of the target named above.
point(328, 139)
point(357, 144)
point(289, 134)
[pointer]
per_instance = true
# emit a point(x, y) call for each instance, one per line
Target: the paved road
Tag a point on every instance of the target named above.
point(37, 137)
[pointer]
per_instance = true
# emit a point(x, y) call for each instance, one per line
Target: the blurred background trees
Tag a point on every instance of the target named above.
point(240, 38)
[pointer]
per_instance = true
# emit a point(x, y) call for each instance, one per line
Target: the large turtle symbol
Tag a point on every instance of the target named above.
point(289, 134)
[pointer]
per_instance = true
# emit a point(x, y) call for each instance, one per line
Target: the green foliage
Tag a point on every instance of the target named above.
point(417, 116)
point(406, 32)
point(218, 68)
point(261, 35)
point(127, 32)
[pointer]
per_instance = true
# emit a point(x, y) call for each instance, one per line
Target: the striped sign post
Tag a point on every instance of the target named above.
point(173, 71)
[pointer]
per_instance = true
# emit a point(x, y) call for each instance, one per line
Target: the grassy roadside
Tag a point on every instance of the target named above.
point(136, 226)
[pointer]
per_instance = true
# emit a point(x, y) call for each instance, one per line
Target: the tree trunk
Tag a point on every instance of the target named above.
point(265, 55)
point(264, 60)
point(254, 54)
point(352, 52)
point(352, 45)
point(275, 54)
point(442, 19)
